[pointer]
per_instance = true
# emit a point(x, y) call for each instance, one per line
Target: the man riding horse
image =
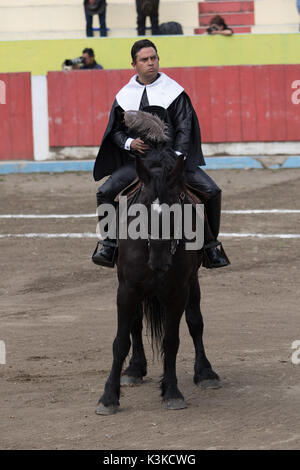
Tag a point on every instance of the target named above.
point(153, 91)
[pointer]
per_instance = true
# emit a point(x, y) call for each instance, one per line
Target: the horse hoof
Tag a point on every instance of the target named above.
point(106, 410)
point(130, 381)
point(174, 404)
point(209, 384)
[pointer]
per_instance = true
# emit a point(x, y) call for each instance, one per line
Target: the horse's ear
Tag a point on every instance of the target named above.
point(142, 172)
point(176, 174)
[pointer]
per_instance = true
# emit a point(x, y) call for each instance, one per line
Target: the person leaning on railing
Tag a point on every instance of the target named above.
point(217, 25)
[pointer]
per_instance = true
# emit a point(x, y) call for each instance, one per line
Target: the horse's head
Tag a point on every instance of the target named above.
point(161, 174)
point(162, 178)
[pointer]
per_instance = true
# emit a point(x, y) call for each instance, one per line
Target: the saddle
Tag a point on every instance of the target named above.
point(130, 190)
point(194, 195)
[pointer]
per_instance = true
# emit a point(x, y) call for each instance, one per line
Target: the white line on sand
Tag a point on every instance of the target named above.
point(48, 235)
point(93, 235)
point(260, 235)
point(262, 211)
point(45, 216)
point(78, 216)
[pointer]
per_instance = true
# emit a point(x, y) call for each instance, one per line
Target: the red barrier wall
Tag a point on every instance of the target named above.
point(16, 137)
point(234, 104)
point(79, 103)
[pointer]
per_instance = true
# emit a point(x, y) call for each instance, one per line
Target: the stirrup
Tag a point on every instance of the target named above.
point(206, 262)
point(103, 261)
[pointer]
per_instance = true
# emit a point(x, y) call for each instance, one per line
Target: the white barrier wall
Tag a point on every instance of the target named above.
point(40, 123)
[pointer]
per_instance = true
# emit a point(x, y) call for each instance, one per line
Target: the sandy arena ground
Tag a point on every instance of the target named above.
point(58, 321)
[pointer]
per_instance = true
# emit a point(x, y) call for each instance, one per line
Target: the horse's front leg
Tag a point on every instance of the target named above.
point(171, 395)
point(127, 310)
point(137, 369)
point(204, 375)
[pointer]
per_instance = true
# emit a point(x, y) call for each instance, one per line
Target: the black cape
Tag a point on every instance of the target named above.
point(110, 157)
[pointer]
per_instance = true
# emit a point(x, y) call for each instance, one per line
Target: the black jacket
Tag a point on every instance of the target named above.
point(96, 8)
point(183, 127)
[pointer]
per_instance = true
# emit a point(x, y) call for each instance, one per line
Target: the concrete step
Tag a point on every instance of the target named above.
point(236, 29)
point(225, 7)
point(245, 18)
point(53, 19)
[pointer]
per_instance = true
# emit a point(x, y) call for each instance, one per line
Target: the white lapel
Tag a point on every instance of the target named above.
point(162, 92)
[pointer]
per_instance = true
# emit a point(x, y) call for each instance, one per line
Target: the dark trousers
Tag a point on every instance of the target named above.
point(89, 24)
point(141, 21)
point(198, 179)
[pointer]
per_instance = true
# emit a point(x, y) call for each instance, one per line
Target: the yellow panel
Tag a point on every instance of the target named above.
point(40, 56)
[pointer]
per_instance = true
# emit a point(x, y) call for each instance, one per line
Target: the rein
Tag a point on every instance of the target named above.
point(174, 241)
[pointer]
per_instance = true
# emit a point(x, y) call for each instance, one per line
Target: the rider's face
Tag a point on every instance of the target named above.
point(146, 64)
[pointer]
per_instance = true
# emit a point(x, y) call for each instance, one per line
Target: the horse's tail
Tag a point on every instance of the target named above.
point(155, 315)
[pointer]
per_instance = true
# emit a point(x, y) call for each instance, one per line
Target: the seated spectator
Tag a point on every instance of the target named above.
point(91, 8)
point(170, 28)
point(146, 8)
point(217, 25)
point(85, 62)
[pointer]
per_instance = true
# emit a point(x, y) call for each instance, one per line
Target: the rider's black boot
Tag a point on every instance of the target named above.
point(108, 253)
point(214, 257)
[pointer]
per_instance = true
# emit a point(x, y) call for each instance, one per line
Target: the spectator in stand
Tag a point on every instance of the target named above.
point(146, 8)
point(298, 7)
point(217, 25)
point(91, 8)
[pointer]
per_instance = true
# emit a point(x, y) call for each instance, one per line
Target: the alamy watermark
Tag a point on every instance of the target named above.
point(2, 92)
point(2, 352)
point(161, 222)
point(296, 354)
point(296, 94)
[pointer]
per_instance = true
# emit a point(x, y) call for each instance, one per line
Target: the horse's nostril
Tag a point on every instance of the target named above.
point(166, 268)
point(159, 269)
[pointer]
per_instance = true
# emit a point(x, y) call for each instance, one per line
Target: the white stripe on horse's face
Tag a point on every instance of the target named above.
point(156, 206)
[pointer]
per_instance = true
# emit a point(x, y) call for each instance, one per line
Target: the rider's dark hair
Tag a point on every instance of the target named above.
point(138, 45)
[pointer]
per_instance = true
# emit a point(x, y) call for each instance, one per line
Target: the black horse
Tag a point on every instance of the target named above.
point(158, 279)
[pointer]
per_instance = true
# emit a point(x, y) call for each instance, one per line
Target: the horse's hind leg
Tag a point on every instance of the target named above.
point(137, 369)
point(127, 309)
point(204, 374)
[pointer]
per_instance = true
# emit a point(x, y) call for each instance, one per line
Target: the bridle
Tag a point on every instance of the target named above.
point(173, 246)
point(174, 241)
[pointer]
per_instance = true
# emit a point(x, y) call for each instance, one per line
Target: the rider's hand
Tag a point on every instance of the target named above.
point(138, 145)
